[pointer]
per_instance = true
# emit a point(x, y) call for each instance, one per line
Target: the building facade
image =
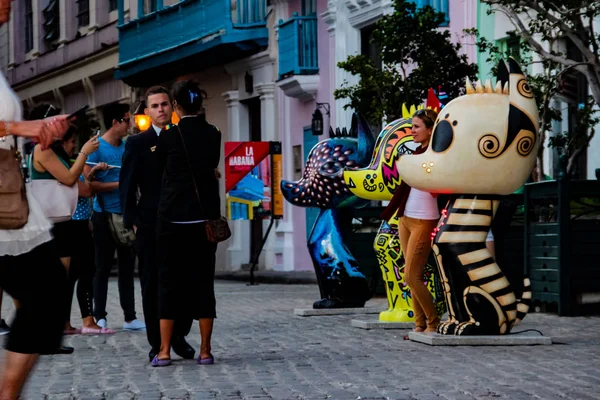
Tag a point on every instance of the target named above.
point(324, 33)
point(65, 53)
point(227, 47)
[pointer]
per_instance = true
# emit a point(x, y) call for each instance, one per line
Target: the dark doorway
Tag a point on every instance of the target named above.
point(255, 135)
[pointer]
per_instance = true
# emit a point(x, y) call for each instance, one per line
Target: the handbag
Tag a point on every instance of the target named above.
point(124, 237)
point(58, 201)
point(217, 230)
point(14, 207)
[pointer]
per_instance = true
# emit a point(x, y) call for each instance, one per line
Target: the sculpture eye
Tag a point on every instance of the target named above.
point(443, 135)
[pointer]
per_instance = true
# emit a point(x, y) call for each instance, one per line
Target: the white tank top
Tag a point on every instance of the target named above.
point(421, 205)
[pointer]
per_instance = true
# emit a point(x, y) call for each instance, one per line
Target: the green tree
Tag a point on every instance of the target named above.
point(416, 56)
point(545, 28)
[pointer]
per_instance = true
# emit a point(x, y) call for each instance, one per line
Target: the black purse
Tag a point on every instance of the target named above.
point(217, 230)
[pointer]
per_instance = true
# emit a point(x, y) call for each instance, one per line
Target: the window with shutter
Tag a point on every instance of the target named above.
point(28, 26)
point(51, 22)
point(83, 13)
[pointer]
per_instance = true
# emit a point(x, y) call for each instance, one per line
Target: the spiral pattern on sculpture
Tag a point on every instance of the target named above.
point(524, 89)
point(525, 145)
point(489, 146)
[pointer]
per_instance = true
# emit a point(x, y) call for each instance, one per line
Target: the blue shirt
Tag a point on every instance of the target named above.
point(111, 155)
point(83, 211)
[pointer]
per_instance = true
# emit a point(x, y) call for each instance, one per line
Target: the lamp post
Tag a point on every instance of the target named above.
point(317, 119)
point(142, 121)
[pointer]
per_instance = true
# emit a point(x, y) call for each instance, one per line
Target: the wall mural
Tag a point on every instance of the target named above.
point(484, 145)
point(342, 283)
point(378, 181)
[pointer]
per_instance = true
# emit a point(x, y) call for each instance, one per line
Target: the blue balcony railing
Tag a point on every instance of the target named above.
point(437, 5)
point(249, 12)
point(298, 46)
point(186, 28)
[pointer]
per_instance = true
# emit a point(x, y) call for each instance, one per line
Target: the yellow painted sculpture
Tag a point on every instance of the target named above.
point(484, 144)
point(379, 181)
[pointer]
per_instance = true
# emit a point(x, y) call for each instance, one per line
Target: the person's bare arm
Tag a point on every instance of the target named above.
point(47, 160)
point(98, 187)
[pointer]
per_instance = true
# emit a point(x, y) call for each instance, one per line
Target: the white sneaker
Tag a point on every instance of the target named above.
point(135, 325)
point(102, 323)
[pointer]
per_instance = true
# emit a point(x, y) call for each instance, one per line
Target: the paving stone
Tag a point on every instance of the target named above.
point(263, 351)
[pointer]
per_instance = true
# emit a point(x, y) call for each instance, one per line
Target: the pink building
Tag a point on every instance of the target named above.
point(342, 28)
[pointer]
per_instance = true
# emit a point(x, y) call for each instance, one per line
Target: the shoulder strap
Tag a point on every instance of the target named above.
point(191, 170)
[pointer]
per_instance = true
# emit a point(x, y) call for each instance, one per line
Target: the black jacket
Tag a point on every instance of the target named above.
point(178, 198)
point(139, 171)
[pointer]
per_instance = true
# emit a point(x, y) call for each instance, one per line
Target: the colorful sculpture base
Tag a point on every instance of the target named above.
point(391, 262)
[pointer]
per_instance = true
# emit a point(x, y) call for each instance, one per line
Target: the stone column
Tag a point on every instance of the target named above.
point(62, 22)
point(268, 120)
point(93, 7)
point(59, 98)
point(285, 227)
point(11, 39)
point(238, 250)
point(266, 91)
point(90, 92)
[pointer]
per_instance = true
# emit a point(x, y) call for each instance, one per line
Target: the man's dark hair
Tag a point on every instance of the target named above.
point(113, 112)
point(157, 90)
point(189, 96)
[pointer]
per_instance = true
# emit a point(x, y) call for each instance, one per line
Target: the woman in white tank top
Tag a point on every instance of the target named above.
point(29, 271)
point(419, 215)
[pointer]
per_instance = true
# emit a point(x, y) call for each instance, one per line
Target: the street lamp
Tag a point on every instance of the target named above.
point(317, 119)
point(142, 121)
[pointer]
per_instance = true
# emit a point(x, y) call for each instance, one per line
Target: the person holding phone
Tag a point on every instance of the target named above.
point(54, 163)
point(106, 186)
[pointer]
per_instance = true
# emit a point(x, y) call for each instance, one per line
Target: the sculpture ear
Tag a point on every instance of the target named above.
point(514, 66)
point(502, 75)
point(366, 143)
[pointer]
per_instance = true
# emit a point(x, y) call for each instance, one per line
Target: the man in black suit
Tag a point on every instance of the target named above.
point(140, 175)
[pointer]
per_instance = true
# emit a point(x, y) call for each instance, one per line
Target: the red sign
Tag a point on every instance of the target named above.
point(241, 158)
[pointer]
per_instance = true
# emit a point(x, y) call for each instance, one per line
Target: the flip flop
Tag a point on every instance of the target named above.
point(94, 331)
point(74, 331)
point(156, 362)
point(205, 361)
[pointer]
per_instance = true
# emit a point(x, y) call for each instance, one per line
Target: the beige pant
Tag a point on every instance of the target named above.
point(415, 239)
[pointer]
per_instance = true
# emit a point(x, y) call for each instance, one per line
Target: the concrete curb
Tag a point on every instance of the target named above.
point(290, 278)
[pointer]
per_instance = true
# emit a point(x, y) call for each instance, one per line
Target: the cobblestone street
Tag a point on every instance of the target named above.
point(263, 351)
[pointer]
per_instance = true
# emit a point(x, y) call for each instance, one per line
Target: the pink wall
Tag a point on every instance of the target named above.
point(463, 15)
point(301, 116)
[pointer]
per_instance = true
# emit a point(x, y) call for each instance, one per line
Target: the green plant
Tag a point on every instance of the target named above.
point(415, 55)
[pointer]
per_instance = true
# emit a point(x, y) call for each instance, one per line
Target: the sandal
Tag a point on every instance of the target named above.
point(94, 331)
point(157, 362)
point(74, 331)
point(205, 361)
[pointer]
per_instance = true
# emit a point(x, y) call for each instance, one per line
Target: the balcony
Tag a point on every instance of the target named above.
point(189, 36)
point(298, 57)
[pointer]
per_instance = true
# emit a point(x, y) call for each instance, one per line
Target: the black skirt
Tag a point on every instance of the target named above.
point(186, 271)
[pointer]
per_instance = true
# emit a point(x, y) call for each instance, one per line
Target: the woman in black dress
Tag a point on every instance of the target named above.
point(188, 153)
